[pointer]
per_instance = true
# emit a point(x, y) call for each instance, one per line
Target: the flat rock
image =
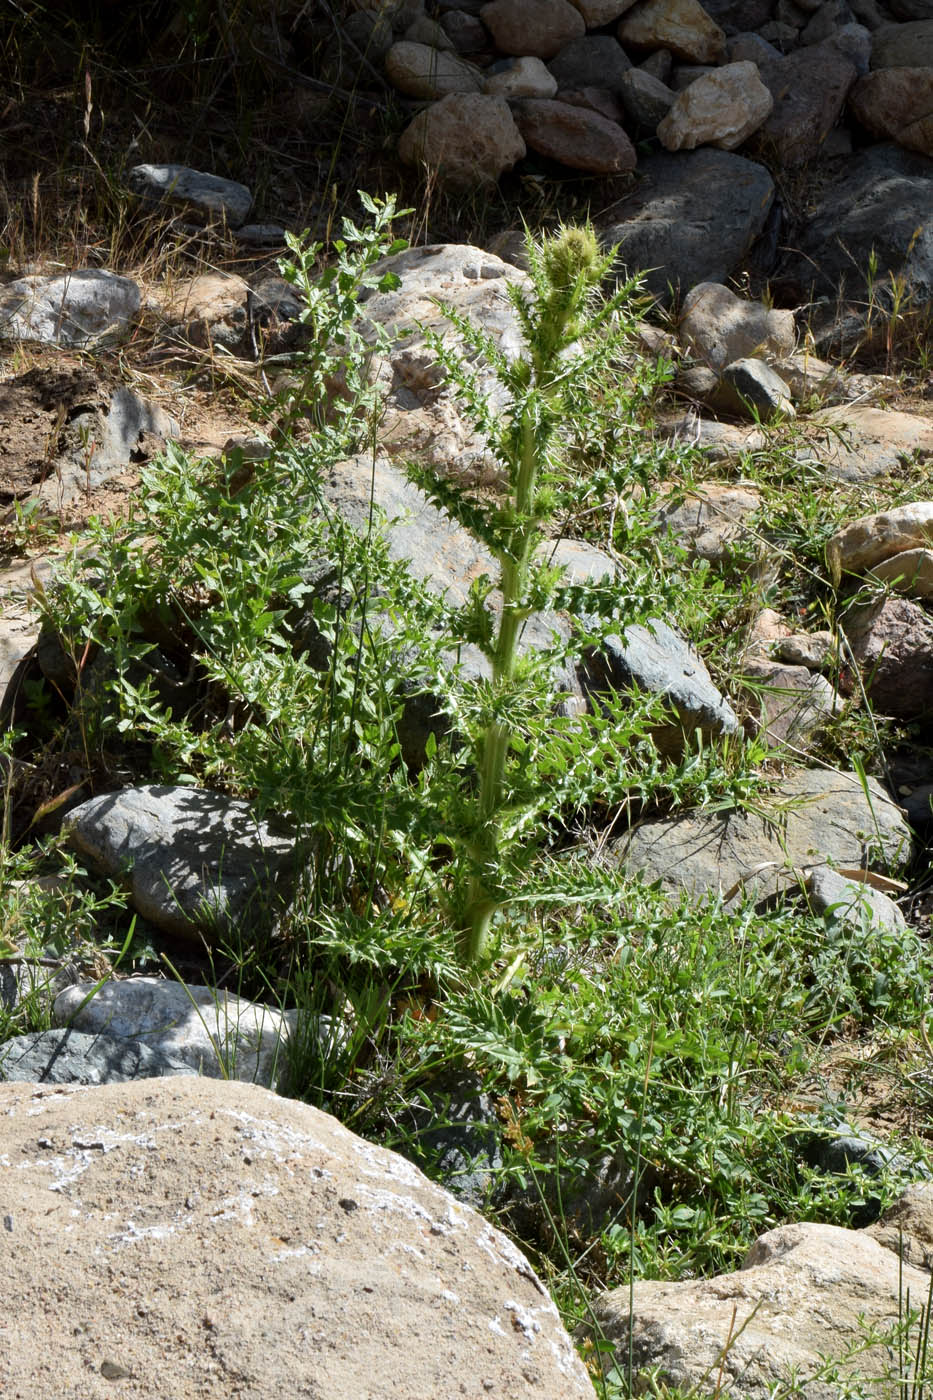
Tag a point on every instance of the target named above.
point(816, 816)
point(721, 109)
point(421, 71)
point(541, 32)
point(467, 139)
point(77, 1057)
point(855, 442)
point(682, 26)
point(804, 1293)
point(664, 225)
point(717, 326)
point(261, 1249)
point(194, 862)
point(194, 190)
point(212, 1031)
point(873, 538)
point(892, 641)
point(654, 659)
point(711, 519)
point(575, 136)
point(73, 310)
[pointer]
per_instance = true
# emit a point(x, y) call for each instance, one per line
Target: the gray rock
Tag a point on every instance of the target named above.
point(595, 60)
point(852, 901)
point(212, 1031)
point(809, 88)
point(75, 1057)
point(194, 189)
point(712, 519)
point(872, 539)
point(224, 1239)
point(420, 71)
point(881, 202)
point(645, 98)
point(903, 45)
point(814, 816)
point(856, 442)
point(74, 310)
point(753, 388)
point(467, 32)
point(194, 862)
point(654, 659)
point(467, 139)
point(520, 77)
point(542, 32)
point(98, 443)
point(666, 222)
point(719, 327)
point(458, 1132)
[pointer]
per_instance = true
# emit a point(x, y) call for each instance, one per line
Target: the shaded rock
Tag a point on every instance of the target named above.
point(420, 71)
point(853, 41)
point(469, 139)
point(212, 1031)
point(73, 310)
point(592, 61)
point(600, 12)
point(892, 641)
point(342, 1271)
point(542, 32)
point(896, 104)
point(522, 77)
point(458, 1132)
point(852, 901)
point(654, 659)
point(752, 47)
point(881, 202)
point(857, 442)
point(682, 26)
point(194, 190)
point(718, 326)
point(815, 816)
point(721, 109)
point(804, 1292)
point(75, 1057)
point(193, 860)
point(645, 99)
point(575, 136)
point(467, 32)
point(903, 45)
point(907, 1228)
point(423, 30)
point(261, 235)
point(809, 88)
point(664, 225)
point(792, 702)
point(810, 377)
point(910, 573)
point(599, 100)
point(751, 387)
point(98, 442)
point(711, 519)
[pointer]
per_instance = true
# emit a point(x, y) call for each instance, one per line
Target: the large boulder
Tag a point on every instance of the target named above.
point(693, 218)
point(468, 139)
point(72, 310)
point(681, 26)
point(718, 326)
point(896, 104)
point(189, 1237)
point(809, 88)
point(813, 816)
point(722, 108)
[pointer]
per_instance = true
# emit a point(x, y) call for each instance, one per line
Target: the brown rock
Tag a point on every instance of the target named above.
point(721, 109)
point(197, 1237)
point(791, 702)
point(575, 136)
point(470, 139)
point(420, 71)
point(718, 327)
point(896, 104)
point(711, 519)
point(682, 26)
point(872, 538)
point(903, 45)
point(910, 572)
point(892, 641)
point(541, 30)
point(855, 442)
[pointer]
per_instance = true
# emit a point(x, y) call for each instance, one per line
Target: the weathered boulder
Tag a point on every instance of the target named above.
point(646, 99)
point(193, 1236)
point(717, 326)
point(809, 88)
point(469, 139)
point(73, 310)
point(664, 225)
point(595, 60)
point(682, 26)
point(194, 190)
point(541, 32)
point(805, 1294)
point(892, 641)
point(194, 862)
point(873, 538)
point(712, 519)
point(208, 1029)
point(896, 104)
point(855, 442)
point(421, 71)
point(907, 45)
point(575, 136)
point(722, 109)
point(521, 77)
point(99, 441)
point(814, 816)
point(910, 573)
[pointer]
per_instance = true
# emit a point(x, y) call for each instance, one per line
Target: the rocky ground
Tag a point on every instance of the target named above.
point(769, 164)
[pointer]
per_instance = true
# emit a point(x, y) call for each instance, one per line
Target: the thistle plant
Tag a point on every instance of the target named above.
point(570, 335)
